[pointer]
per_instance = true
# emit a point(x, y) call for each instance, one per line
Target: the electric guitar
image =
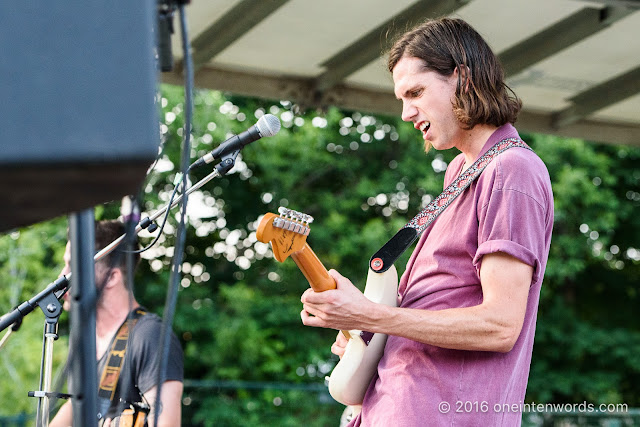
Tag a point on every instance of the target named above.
point(350, 379)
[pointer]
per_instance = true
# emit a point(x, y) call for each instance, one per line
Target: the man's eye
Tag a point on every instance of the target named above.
point(416, 93)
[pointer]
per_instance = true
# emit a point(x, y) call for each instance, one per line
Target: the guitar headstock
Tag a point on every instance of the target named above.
point(287, 232)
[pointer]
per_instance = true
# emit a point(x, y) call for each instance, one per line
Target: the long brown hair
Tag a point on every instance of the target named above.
point(482, 96)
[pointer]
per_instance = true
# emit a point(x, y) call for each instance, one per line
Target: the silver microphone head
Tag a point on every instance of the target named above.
point(268, 125)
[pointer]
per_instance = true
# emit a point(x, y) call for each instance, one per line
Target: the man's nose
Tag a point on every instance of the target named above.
point(408, 111)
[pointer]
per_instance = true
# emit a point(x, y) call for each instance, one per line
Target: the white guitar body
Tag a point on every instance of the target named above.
point(350, 378)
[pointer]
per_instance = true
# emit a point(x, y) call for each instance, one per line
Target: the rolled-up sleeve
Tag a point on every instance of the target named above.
point(512, 222)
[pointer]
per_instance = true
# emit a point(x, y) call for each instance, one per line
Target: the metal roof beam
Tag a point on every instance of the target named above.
point(243, 83)
point(230, 27)
point(626, 3)
point(277, 87)
point(607, 132)
point(599, 97)
point(368, 48)
point(573, 29)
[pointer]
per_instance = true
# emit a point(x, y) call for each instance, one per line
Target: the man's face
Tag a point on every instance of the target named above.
point(100, 269)
point(427, 102)
point(66, 270)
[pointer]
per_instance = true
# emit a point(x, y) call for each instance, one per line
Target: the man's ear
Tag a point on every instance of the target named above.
point(115, 277)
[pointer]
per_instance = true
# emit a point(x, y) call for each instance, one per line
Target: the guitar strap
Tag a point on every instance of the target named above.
point(111, 371)
point(382, 260)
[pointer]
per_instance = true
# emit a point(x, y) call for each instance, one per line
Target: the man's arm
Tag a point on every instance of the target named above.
point(170, 411)
point(64, 417)
point(494, 325)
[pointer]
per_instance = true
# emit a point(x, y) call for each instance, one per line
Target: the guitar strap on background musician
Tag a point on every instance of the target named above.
point(382, 260)
point(111, 371)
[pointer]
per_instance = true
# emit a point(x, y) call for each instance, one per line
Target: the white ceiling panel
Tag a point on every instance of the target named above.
point(575, 64)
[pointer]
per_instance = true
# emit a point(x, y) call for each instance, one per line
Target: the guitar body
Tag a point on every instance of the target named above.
point(350, 378)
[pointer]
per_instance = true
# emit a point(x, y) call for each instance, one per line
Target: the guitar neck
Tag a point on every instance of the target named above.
point(313, 270)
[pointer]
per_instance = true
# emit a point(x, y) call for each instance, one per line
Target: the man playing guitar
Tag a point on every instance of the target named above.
point(461, 338)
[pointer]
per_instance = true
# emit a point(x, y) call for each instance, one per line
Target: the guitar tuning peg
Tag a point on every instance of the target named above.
point(283, 211)
point(295, 215)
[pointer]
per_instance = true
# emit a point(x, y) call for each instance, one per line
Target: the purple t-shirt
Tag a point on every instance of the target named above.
point(509, 209)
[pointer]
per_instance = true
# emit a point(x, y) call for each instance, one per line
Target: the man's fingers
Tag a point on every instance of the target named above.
point(312, 297)
point(341, 339)
point(309, 320)
point(312, 310)
point(339, 346)
point(305, 294)
point(337, 350)
point(336, 276)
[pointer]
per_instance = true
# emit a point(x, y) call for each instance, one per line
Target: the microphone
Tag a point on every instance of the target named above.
point(267, 125)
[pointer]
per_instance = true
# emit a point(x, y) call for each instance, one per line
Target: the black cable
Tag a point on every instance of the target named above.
point(172, 294)
point(164, 220)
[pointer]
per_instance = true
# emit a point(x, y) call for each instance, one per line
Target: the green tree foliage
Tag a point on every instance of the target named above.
point(361, 177)
point(29, 260)
point(588, 339)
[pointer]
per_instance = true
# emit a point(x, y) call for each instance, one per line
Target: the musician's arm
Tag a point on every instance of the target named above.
point(170, 411)
point(64, 417)
point(493, 325)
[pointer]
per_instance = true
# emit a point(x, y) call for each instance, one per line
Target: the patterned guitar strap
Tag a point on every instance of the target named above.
point(111, 371)
point(382, 260)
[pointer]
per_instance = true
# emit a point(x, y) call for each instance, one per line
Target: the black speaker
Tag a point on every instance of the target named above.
point(78, 117)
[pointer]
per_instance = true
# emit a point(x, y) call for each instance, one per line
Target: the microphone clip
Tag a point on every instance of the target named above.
point(227, 162)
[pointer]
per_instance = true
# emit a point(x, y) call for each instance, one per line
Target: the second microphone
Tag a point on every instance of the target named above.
point(267, 125)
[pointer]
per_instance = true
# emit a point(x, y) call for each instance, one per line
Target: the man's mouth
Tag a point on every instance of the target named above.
point(424, 127)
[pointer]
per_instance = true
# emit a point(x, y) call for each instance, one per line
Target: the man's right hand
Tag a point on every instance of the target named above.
point(340, 345)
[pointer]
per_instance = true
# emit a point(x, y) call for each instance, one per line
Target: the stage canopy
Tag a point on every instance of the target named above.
point(574, 63)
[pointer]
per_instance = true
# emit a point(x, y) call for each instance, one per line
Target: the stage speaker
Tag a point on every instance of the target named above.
point(78, 118)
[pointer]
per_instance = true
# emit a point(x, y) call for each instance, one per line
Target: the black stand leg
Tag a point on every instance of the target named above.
point(83, 319)
point(51, 308)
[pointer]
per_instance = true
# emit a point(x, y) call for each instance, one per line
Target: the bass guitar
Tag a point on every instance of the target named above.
point(350, 379)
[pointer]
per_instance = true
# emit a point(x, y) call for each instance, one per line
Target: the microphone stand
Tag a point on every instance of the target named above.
point(220, 169)
point(51, 307)
point(83, 326)
point(48, 300)
point(61, 285)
